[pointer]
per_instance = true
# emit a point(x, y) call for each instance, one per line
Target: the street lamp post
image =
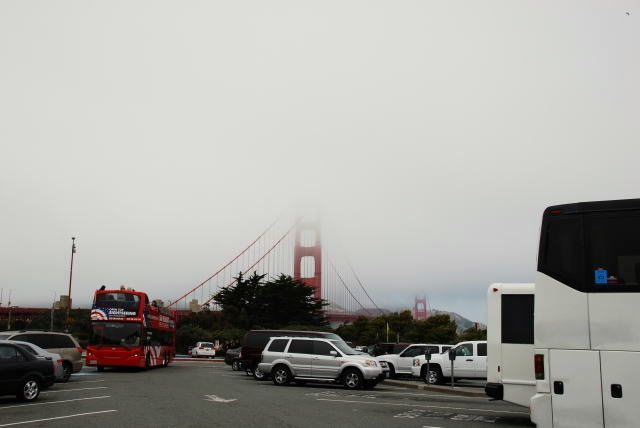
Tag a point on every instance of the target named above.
point(53, 307)
point(73, 251)
point(9, 321)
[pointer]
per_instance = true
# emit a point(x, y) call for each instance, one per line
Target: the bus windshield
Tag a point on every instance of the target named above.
point(124, 334)
point(118, 300)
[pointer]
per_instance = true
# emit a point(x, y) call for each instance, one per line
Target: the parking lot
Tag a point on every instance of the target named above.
point(195, 394)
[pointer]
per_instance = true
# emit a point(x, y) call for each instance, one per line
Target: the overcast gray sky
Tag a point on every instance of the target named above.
point(165, 135)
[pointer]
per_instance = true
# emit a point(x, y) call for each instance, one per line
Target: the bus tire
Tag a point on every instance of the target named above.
point(165, 361)
point(100, 368)
point(147, 361)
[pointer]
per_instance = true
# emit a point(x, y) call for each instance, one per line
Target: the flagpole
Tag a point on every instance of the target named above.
point(73, 251)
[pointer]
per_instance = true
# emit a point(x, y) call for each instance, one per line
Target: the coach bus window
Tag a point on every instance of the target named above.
point(517, 318)
point(613, 251)
point(118, 300)
point(561, 251)
point(115, 334)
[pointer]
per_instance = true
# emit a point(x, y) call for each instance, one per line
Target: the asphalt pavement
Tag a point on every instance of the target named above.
point(190, 394)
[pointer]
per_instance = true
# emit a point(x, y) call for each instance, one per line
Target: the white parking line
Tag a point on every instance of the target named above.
point(55, 402)
point(59, 417)
point(457, 397)
point(377, 403)
point(75, 389)
point(87, 381)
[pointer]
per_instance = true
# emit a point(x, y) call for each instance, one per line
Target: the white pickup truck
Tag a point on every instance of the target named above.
point(470, 363)
point(401, 363)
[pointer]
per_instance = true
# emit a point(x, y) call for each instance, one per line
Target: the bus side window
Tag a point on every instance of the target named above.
point(562, 250)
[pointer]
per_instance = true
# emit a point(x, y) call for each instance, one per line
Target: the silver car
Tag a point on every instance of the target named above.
point(308, 359)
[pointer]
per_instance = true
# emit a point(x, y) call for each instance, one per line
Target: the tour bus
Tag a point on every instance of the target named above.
point(510, 374)
point(127, 331)
point(586, 316)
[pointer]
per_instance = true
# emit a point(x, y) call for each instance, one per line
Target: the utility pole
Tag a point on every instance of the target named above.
point(73, 251)
point(53, 306)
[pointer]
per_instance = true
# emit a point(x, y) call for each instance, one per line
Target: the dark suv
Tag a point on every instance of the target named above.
point(23, 374)
point(254, 342)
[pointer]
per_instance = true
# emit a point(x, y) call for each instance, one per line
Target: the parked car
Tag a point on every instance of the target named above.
point(401, 363)
point(23, 374)
point(232, 358)
point(303, 359)
point(470, 363)
point(42, 354)
point(386, 348)
point(203, 349)
point(59, 343)
point(254, 341)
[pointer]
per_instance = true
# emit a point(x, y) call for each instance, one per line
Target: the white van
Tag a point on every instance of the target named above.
point(510, 368)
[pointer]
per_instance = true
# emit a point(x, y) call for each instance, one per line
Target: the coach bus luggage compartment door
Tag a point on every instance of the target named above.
point(620, 388)
point(578, 402)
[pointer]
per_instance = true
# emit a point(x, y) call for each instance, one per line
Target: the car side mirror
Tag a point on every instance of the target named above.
point(333, 353)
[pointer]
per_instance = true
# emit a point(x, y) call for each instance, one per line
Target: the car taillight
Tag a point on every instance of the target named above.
point(538, 362)
point(202, 347)
point(79, 349)
point(60, 361)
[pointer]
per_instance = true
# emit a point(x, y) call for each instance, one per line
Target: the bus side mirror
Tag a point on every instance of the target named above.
point(427, 355)
point(452, 354)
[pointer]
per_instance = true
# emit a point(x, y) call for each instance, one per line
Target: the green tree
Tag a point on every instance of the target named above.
point(276, 303)
point(472, 334)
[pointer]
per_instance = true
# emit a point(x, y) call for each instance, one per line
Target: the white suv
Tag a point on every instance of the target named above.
point(470, 363)
point(401, 363)
point(203, 349)
point(304, 359)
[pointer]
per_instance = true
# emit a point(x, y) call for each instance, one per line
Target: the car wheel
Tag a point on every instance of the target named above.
point(249, 371)
point(281, 375)
point(352, 379)
point(235, 366)
point(259, 375)
point(30, 390)
point(392, 371)
point(432, 377)
point(66, 371)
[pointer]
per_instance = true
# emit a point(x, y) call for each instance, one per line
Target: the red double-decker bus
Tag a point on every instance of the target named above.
point(127, 331)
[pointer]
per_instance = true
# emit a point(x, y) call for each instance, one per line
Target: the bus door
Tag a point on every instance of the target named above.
point(576, 391)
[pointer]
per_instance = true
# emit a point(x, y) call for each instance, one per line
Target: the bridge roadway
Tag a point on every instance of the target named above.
point(199, 394)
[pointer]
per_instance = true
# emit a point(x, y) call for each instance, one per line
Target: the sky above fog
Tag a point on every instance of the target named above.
point(166, 135)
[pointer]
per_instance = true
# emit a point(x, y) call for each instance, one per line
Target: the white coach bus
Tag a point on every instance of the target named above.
point(510, 374)
point(587, 316)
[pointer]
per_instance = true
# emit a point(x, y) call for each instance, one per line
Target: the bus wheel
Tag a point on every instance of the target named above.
point(147, 361)
point(165, 361)
point(100, 368)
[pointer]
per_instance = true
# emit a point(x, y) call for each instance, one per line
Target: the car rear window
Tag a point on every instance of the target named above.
point(278, 345)
point(257, 338)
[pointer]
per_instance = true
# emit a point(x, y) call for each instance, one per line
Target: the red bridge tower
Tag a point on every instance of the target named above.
point(307, 256)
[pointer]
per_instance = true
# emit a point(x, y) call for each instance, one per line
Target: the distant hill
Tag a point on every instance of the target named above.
point(462, 322)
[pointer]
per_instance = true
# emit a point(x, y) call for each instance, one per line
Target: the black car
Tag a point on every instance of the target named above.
point(22, 374)
point(232, 358)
